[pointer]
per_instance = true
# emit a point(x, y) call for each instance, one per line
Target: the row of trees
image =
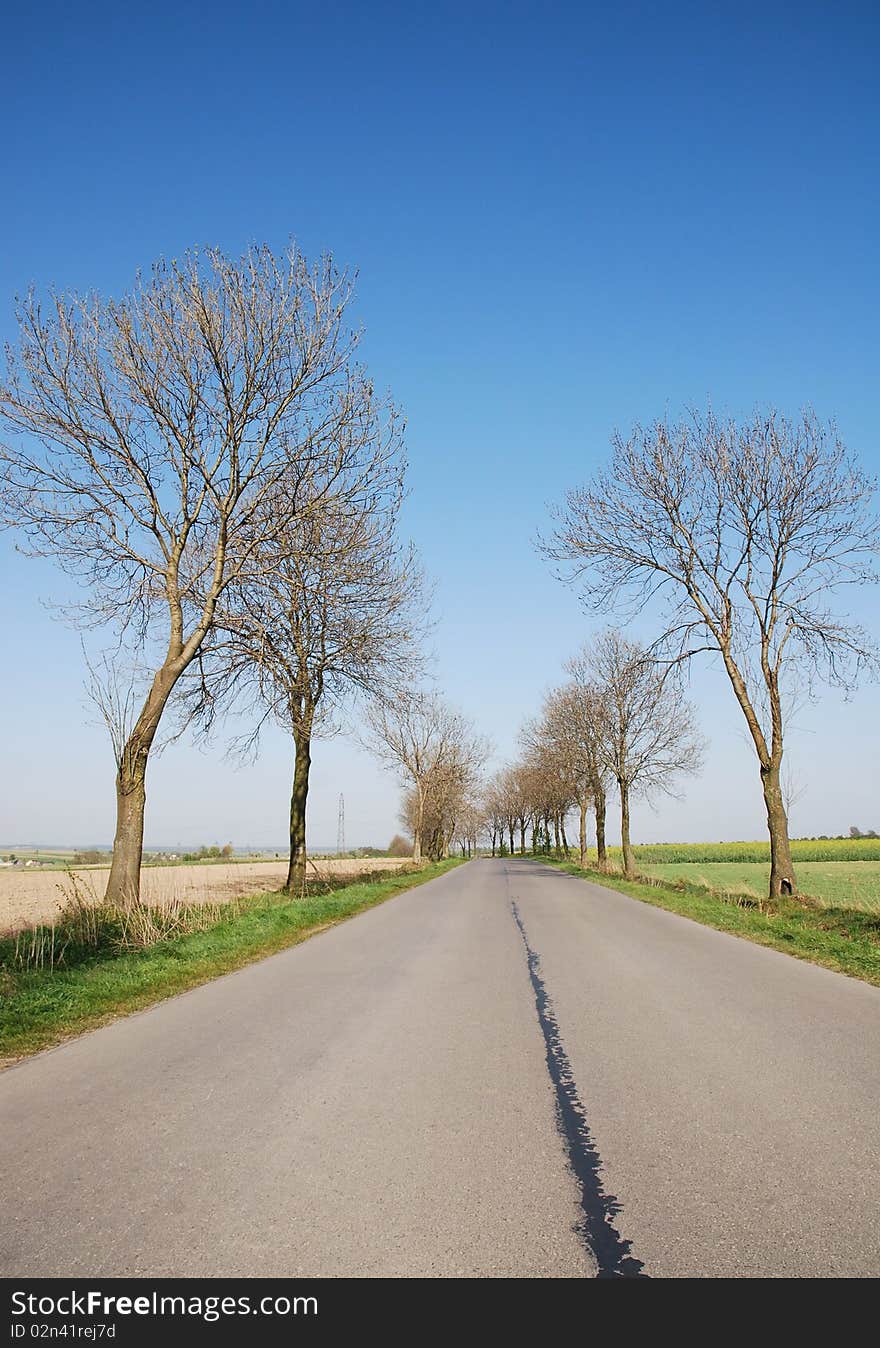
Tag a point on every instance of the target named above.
point(618, 724)
point(738, 541)
point(207, 457)
point(209, 460)
point(439, 756)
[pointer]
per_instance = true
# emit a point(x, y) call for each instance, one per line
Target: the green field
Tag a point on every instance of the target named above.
point(56, 859)
point(838, 872)
point(802, 849)
point(836, 884)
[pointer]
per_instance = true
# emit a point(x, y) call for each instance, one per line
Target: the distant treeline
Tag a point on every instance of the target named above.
point(208, 854)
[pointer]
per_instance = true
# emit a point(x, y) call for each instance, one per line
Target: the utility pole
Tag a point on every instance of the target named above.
point(340, 831)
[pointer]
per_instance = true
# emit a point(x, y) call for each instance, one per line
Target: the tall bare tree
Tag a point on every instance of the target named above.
point(445, 805)
point(333, 611)
point(435, 750)
point(647, 735)
point(586, 717)
point(144, 437)
point(505, 803)
point(572, 722)
point(517, 795)
point(748, 533)
point(550, 781)
point(494, 815)
point(469, 824)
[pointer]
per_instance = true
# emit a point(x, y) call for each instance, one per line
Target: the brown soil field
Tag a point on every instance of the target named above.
point(36, 896)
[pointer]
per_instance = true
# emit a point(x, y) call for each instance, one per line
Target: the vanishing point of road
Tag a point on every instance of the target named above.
point(508, 1071)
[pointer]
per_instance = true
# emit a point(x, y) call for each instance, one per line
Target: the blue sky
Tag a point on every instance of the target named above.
point(565, 217)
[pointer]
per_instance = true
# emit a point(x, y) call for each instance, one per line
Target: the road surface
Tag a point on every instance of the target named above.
point(507, 1071)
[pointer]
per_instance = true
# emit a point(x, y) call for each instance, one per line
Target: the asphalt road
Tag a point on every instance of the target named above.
point(507, 1071)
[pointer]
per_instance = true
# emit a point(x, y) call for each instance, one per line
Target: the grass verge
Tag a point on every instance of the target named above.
point(842, 939)
point(42, 1007)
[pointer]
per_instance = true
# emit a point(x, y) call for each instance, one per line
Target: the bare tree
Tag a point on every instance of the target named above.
point(586, 718)
point(517, 793)
point(552, 776)
point(509, 804)
point(506, 804)
point(444, 806)
point(748, 533)
point(535, 792)
point(647, 736)
point(332, 612)
point(469, 824)
point(436, 750)
point(571, 723)
point(144, 436)
point(494, 815)
point(451, 787)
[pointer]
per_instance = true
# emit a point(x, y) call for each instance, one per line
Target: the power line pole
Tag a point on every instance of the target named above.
point(340, 831)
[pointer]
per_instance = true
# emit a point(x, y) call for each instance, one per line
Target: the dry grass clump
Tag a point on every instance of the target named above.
point(85, 927)
point(31, 898)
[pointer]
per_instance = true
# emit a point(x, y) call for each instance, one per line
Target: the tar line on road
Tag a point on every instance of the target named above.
point(596, 1228)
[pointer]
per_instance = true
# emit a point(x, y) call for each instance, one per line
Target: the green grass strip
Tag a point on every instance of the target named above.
point(842, 939)
point(40, 1008)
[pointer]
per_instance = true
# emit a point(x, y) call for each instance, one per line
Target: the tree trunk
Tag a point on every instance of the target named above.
point(556, 832)
point(770, 760)
point(417, 830)
point(124, 882)
point(494, 835)
point(522, 837)
point(601, 850)
point(296, 870)
point(782, 879)
point(562, 831)
point(582, 836)
point(510, 830)
point(629, 861)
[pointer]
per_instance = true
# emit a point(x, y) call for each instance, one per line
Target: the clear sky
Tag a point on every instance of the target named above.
point(565, 217)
